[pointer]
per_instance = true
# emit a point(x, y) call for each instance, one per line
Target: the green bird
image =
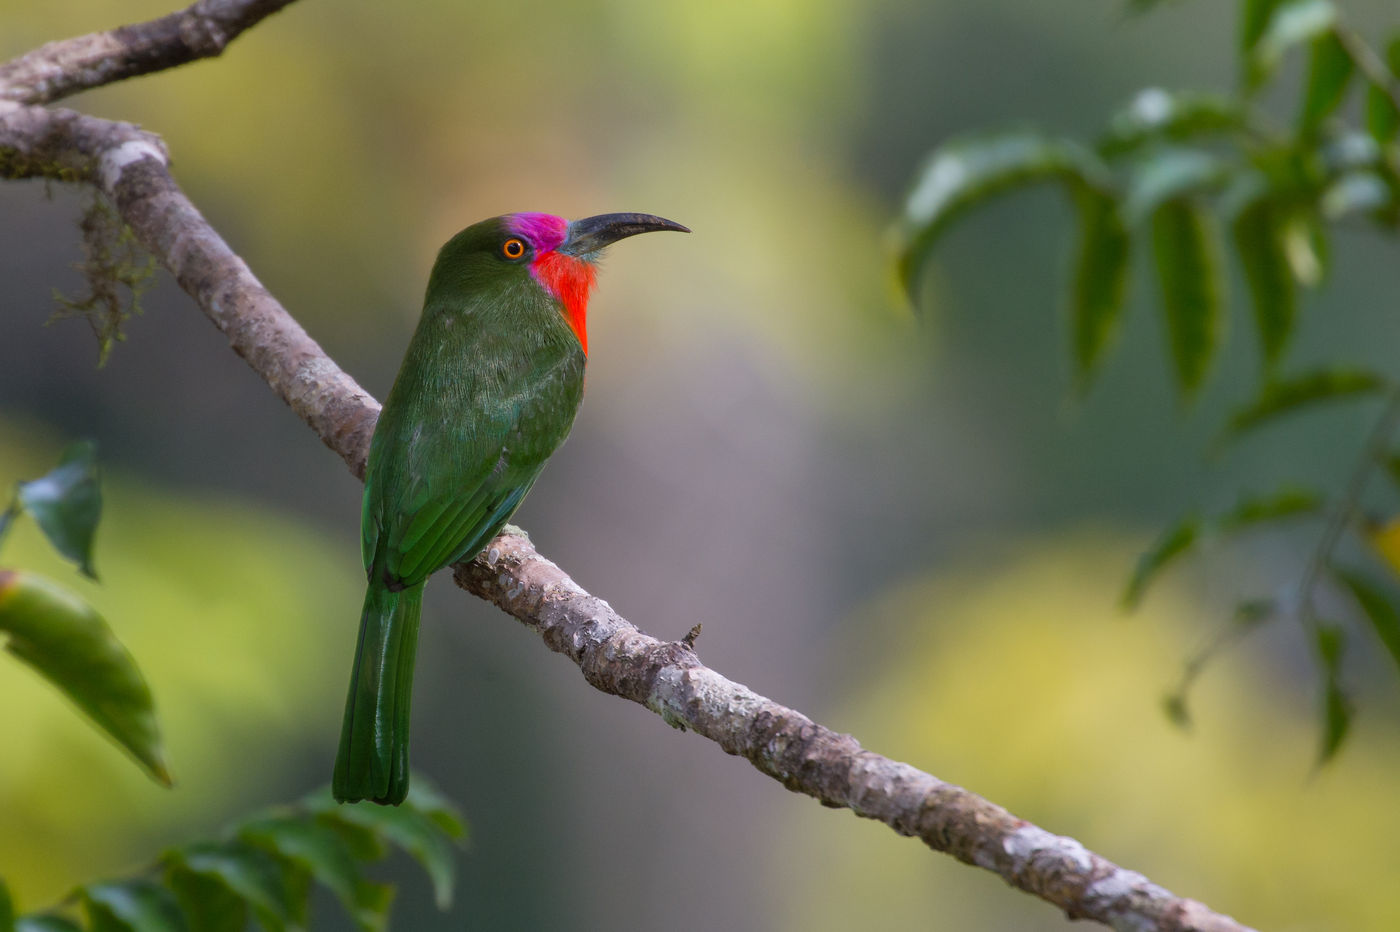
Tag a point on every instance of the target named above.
point(488, 389)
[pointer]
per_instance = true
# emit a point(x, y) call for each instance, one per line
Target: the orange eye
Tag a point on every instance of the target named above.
point(513, 249)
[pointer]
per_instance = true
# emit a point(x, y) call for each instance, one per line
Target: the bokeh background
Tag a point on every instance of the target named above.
point(906, 529)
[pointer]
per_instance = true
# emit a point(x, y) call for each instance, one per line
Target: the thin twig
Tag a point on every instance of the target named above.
point(1371, 66)
point(1379, 441)
point(58, 69)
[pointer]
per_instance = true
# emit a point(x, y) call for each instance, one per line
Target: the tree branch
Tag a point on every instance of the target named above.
point(59, 69)
point(131, 168)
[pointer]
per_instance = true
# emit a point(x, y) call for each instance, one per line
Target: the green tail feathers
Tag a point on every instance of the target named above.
point(373, 759)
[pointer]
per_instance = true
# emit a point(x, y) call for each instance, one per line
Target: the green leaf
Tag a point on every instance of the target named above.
point(968, 171)
point(1259, 243)
point(1254, 19)
point(1156, 114)
point(1330, 69)
point(1174, 542)
point(208, 905)
point(1382, 119)
point(1286, 503)
point(46, 922)
point(412, 831)
point(424, 826)
point(1171, 174)
point(1337, 713)
point(425, 797)
point(249, 873)
point(317, 849)
point(1337, 710)
point(1177, 710)
point(71, 646)
point(132, 906)
point(1287, 396)
point(67, 504)
point(1189, 273)
point(7, 909)
point(1377, 607)
point(1289, 24)
point(1100, 282)
point(1305, 246)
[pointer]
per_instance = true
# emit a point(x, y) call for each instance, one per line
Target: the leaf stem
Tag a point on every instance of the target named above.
point(1371, 66)
point(1374, 453)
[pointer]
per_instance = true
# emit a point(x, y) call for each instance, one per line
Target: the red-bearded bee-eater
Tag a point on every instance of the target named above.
point(487, 391)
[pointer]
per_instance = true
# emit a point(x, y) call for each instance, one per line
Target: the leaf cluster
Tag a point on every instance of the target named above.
point(1191, 178)
point(264, 868)
point(56, 633)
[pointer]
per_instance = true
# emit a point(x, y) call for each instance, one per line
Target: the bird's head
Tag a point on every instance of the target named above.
point(558, 255)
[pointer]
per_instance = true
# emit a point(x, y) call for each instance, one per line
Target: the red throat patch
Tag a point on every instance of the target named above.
point(571, 281)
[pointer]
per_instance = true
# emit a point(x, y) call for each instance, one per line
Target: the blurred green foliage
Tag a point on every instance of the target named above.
point(263, 868)
point(227, 608)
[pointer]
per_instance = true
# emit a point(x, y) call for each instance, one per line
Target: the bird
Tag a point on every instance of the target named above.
point(488, 389)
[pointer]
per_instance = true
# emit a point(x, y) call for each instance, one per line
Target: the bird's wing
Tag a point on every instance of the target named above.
point(438, 491)
point(412, 534)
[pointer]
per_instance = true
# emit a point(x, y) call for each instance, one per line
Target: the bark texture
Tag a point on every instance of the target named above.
point(131, 168)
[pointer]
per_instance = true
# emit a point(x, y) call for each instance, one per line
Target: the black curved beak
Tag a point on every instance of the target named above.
point(591, 234)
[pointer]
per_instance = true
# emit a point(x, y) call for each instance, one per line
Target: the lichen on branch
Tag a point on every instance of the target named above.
point(116, 271)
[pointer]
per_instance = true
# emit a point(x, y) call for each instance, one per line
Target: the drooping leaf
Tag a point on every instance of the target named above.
point(1100, 282)
point(1156, 114)
point(965, 172)
point(1337, 709)
point(1376, 606)
point(248, 873)
point(1382, 117)
point(208, 905)
point(1254, 19)
point(1330, 69)
point(132, 906)
point(1305, 247)
point(317, 849)
point(1290, 395)
point(1189, 273)
point(1177, 710)
point(425, 797)
point(71, 646)
point(1289, 502)
point(424, 826)
point(66, 503)
point(1174, 542)
point(1290, 23)
point(1259, 244)
point(1168, 175)
point(1337, 713)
